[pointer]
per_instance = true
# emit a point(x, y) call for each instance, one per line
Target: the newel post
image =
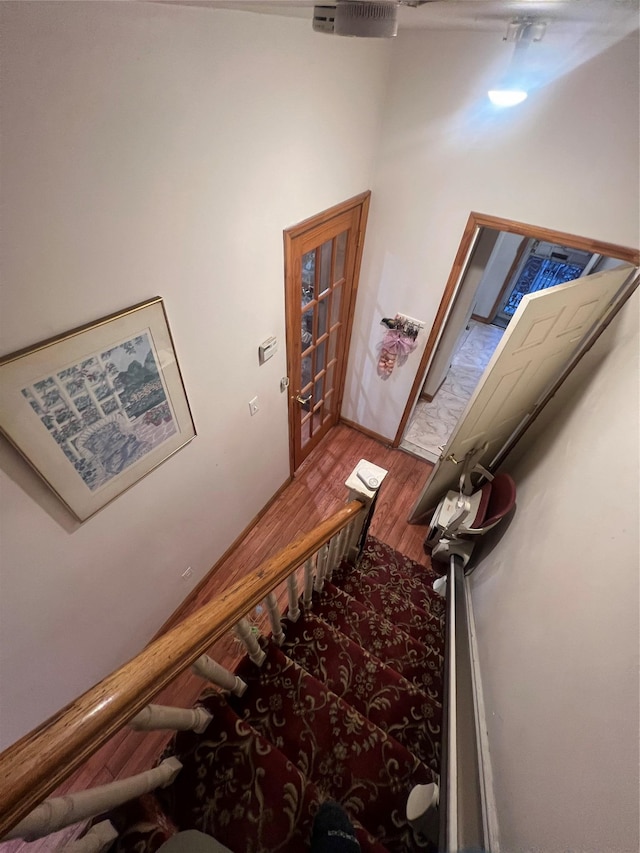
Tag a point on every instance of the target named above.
point(363, 484)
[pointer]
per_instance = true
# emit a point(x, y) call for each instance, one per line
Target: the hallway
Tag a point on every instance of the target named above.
point(432, 423)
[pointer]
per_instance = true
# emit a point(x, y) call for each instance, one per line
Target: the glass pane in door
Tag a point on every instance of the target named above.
point(333, 340)
point(335, 304)
point(318, 389)
point(323, 311)
point(308, 277)
point(341, 251)
point(306, 328)
point(306, 371)
point(325, 266)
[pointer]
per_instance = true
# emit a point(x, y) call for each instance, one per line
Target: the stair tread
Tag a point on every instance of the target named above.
point(398, 564)
point(395, 608)
point(333, 745)
point(417, 661)
point(385, 575)
point(380, 693)
point(349, 709)
point(233, 779)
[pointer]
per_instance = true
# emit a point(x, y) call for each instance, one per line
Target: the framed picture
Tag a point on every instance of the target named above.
point(98, 408)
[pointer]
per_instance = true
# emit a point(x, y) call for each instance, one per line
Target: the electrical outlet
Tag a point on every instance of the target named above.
point(187, 573)
point(253, 406)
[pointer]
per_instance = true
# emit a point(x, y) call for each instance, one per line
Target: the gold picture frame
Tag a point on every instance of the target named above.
point(97, 408)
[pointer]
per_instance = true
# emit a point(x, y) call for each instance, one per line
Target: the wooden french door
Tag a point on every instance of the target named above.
point(322, 262)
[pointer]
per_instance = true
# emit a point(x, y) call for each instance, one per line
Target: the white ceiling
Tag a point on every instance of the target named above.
point(606, 17)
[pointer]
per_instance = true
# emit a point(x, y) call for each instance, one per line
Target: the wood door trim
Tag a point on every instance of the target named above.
point(290, 332)
point(326, 215)
point(471, 229)
point(291, 274)
point(573, 241)
point(364, 216)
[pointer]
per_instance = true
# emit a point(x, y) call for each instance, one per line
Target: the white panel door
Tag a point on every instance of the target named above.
point(546, 330)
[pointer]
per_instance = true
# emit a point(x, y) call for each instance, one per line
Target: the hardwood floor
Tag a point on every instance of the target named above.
point(316, 491)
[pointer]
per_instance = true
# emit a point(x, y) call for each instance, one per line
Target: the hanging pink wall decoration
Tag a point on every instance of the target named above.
point(394, 349)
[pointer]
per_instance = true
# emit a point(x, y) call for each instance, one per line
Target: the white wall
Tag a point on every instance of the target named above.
point(567, 158)
point(556, 610)
point(151, 149)
point(496, 272)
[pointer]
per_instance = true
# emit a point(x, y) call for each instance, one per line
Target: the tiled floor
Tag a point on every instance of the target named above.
point(432, 423)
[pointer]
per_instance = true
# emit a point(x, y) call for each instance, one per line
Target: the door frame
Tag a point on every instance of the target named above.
point(475, 223)
point(362, 201)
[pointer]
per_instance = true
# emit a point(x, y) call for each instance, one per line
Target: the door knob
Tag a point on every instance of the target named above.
point(302, 400)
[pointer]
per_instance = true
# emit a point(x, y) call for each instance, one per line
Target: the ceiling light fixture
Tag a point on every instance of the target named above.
point(507, 97)
point(513, 87)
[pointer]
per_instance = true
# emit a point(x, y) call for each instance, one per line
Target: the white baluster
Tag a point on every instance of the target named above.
point(355, 528)
point(292, 591)
point(331, 558)
point(155, 717)
point(307, 597)
point(99, 838)
point(341, 549)
point(321, 567)
point(342, 538)
point(274, 617)
point(54, 814)
point(348, 536)
point(243, 630)
point(207, 668)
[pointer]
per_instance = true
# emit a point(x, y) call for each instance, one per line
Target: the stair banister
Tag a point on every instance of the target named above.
point(57, 813)
point(100, 837)
point(158, 717)
point(35, 765)
point(292, 594)
point(211, 671)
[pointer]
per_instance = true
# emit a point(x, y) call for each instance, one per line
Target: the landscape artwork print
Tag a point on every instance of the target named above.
point(106, 411)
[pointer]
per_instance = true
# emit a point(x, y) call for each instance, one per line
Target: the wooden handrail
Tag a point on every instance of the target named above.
point(35, 765)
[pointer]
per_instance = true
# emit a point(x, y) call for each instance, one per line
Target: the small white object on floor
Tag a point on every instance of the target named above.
point(440, 586)
point(422, 811)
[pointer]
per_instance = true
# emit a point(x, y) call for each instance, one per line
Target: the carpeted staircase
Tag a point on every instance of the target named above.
point(349, 708)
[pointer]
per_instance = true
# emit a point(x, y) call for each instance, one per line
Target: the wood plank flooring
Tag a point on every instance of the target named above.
point(316, 491)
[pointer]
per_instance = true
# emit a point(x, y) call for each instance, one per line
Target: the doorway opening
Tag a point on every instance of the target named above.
point(501, 262)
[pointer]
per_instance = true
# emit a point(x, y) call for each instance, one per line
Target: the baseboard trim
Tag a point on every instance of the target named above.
point(179, 612)
point(368, 432)
point(479, 319)
point(489, 812)
point(430, 397)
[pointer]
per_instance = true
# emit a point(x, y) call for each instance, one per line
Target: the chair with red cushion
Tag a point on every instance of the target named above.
point(459, 518)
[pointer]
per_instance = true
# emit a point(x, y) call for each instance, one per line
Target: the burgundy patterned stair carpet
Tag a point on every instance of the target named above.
point(349, 709)
point(370, 686)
